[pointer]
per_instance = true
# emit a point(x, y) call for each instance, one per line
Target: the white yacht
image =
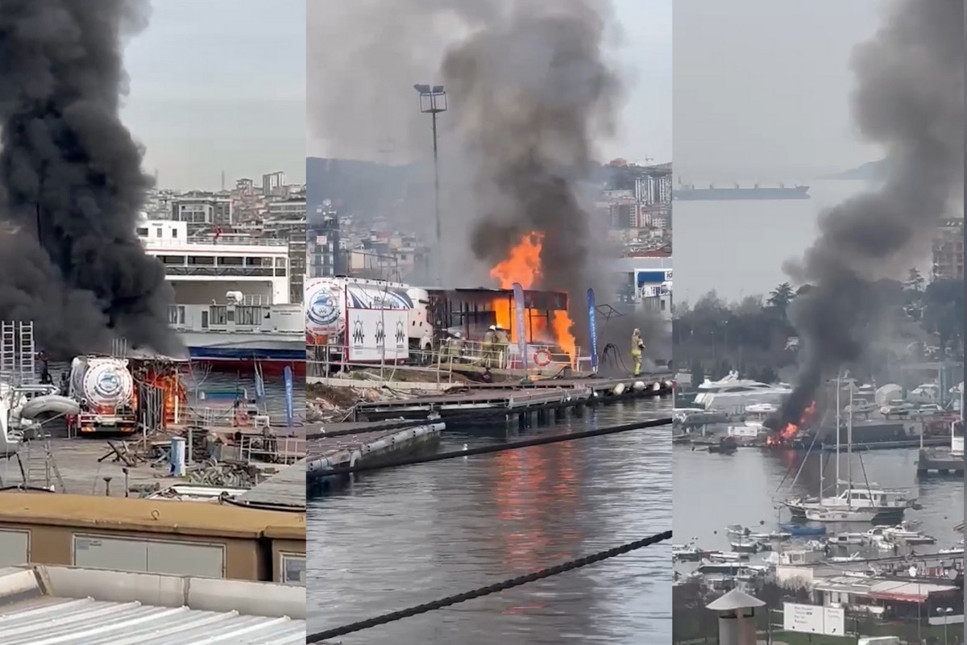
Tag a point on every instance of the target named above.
point(734, 395)
point(876, 504)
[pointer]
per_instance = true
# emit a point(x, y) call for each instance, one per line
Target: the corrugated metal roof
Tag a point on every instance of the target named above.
point(91, 622)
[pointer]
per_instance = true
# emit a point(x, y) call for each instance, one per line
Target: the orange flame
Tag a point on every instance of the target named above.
point(792, 429)
point(523, 265)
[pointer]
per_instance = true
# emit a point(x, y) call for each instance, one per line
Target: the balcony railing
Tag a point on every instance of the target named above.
point(223, 240)
point(249, 272)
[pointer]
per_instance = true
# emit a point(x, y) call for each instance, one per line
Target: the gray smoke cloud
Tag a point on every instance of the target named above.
point(529, 90)
point(910, 98)
point(72, 186)
point(534, 91)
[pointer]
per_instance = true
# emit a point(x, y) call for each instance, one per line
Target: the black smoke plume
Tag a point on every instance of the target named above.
point(71, 180)
point(910, 98)
point(534, 88)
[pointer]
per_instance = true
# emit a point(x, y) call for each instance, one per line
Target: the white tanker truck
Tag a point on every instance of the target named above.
point(103, 388)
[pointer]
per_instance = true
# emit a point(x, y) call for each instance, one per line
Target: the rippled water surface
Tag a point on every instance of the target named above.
point(714, 490)
point(400, 537)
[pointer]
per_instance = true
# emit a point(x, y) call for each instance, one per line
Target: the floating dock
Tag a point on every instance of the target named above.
point(505, 401)
point(371, 443)
point(940, 462)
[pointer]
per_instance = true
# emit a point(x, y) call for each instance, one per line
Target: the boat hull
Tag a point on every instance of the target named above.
point(239, 351)
point(733, 194)
point(877, 516)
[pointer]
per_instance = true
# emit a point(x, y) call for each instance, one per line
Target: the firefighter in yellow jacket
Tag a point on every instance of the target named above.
point(637, 349)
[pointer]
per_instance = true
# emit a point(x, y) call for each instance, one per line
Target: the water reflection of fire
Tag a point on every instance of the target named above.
point(788, 434)
point(523, 265)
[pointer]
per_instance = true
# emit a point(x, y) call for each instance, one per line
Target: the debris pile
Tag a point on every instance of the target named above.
point(226, 474)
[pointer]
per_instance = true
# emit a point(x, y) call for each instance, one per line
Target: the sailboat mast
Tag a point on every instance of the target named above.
point(849, 450)
point(838, 423)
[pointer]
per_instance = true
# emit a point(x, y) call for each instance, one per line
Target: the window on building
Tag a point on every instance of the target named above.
point(205, 560)
point(203, 260)
point(142, 232)
point(14, 548)
point(218, 314)
point(176, 315)
point(292, 569)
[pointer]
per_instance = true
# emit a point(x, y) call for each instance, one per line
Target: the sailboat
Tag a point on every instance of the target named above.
point(855, 503)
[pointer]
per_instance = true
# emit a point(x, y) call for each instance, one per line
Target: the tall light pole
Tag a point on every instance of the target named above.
point(433, 100)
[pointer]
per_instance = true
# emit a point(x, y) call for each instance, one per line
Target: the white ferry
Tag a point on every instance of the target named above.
point(232, 294)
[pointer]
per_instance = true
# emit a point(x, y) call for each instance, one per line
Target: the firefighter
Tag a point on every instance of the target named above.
point(455, 346)
point(502, 346)
point(488, 346)
point(637, 348)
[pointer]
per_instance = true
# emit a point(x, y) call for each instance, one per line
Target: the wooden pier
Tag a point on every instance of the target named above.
point(370, 444)
point(502, 401)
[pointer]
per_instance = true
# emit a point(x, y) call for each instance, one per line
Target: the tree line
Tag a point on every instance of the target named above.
point(756, 337)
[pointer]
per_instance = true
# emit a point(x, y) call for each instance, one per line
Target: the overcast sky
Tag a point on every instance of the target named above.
point(761, 88)
point(219, 85)
point(338, 52)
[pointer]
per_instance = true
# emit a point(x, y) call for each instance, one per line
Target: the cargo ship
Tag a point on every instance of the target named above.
point(689, 192)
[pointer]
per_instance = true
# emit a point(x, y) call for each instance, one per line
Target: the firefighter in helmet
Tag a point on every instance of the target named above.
point(488, 347)
point(637, 349)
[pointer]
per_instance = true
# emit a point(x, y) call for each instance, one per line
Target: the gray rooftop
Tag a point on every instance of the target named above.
point(91, 622)
point(286, 488)
point(735, 599)
point(45, 604)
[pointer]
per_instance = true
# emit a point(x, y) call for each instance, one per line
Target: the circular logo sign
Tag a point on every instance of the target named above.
point(323, 308)
point(108, 384)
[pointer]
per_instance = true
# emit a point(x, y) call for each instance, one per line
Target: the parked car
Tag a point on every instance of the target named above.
point(897, 409)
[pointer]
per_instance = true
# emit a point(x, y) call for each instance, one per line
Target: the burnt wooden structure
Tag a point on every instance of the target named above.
point(472, 311)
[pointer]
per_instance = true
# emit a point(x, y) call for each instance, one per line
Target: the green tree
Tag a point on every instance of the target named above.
point(943, 312)
point(914, 280)
point(781, 296)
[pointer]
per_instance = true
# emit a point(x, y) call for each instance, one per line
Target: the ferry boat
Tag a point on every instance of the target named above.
point(234, 334)
point(233, 297)
point(689, 192)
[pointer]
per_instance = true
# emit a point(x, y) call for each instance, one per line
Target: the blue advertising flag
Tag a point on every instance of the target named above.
point(593, 329)
point(259, 386)
point(519, 322)
point(288, 396)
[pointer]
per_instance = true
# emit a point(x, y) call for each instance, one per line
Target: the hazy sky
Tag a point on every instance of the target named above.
point(761, 88)
point(643, 56)
point(219, 85)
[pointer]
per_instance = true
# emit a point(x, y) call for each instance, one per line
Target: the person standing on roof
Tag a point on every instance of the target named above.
point(637, 349)
point(502, 346)
point(488, 345)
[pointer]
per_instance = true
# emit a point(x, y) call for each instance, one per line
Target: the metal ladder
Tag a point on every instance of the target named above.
point(40, 464)
point(17, 353)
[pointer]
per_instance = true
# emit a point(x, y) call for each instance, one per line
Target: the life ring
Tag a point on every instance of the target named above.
point(542, 358)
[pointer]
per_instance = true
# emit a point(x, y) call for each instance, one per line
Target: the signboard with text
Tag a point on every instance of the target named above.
point(813, 619)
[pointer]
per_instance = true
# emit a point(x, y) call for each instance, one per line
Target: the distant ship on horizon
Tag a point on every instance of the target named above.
point(689, 192)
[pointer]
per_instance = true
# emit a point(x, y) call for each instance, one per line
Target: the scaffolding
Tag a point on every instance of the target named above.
point(17, 353)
